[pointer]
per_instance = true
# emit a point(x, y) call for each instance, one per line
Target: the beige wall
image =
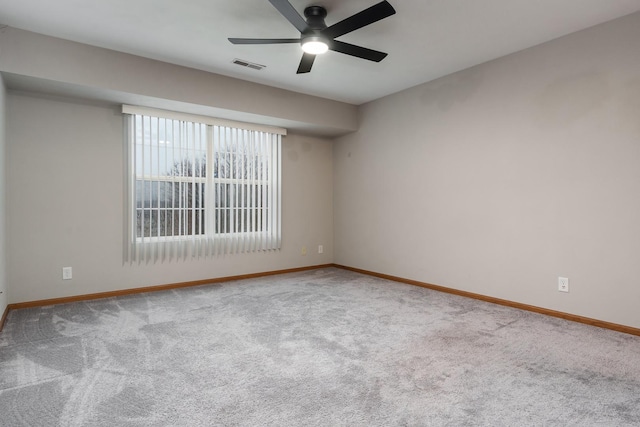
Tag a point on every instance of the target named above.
point(64, 204)
point(500, 178)
point(56, 65)
point(3, 251)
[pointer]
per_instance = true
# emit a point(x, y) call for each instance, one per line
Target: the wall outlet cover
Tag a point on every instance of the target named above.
point(563, 284)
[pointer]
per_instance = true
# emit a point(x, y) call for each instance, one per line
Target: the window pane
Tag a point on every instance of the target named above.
point(170, 166)
point(169, 208)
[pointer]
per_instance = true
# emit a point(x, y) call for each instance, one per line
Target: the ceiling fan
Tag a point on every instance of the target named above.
point(316, 38)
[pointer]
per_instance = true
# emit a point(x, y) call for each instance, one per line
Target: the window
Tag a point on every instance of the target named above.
point(199, 187)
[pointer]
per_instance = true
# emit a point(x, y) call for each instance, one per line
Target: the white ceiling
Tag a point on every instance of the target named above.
point(425, 39)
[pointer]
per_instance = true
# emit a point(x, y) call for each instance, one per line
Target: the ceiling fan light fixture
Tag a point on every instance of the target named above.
point(314, 45)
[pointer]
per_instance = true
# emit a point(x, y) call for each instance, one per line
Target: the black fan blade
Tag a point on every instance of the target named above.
point(357, 51)
point(292, 15)
point(306, 63)
point(361, 19)
point(263, 41)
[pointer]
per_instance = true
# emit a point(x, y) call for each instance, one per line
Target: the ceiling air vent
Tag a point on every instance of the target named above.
point(248, 64)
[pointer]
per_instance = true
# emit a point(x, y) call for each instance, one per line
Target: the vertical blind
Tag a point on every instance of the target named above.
point(196, 188)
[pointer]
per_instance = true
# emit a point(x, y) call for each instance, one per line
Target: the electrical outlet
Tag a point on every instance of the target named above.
point(303, 251)
point(563, 284)
point(67, 273)
point(320, 249)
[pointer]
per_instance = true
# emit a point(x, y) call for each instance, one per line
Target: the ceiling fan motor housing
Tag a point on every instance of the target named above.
point(315, 17)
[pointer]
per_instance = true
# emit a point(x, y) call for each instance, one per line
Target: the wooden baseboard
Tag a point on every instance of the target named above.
point(499, 301)
point(109, 294)
point(4, 317)
point(567, 316)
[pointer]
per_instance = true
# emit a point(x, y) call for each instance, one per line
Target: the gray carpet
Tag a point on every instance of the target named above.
point(319, 348)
